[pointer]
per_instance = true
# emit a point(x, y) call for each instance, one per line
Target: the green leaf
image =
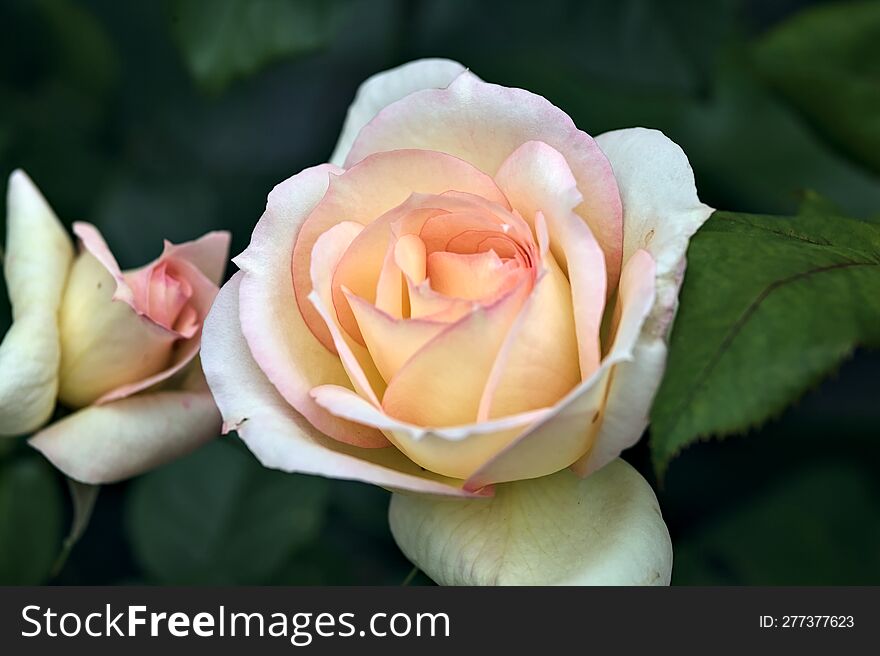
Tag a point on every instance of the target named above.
point(769, 306)
point(826, 62)
point(30, 521)
point(818, 526)
point(223, 40)
point(219, 517)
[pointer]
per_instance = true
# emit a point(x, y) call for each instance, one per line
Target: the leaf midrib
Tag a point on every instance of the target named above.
point(740, 324)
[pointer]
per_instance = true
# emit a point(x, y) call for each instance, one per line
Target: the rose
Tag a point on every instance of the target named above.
point(118, 348)
point(475, 292)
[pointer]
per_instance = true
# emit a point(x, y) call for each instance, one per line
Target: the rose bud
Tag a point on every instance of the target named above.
point(117, 347)
point(123, 329)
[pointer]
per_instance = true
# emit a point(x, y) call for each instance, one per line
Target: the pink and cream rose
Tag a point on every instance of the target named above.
point(118, 348)
point(473, 293)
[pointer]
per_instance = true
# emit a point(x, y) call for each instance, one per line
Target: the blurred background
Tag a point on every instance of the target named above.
point(168, 119)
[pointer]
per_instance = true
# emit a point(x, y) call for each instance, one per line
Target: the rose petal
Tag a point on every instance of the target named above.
point(209, 254)
point(425, 303)
point(355, 358)
point(38, 257)
point(630, 395)
point(567, 433)
point(442, 383)
point(279, 340)
point(536, 178)
point(661, 207)
point(483, 124)
point(112, 442)
point(404, 257)
point(472, 276)
point(94, 243)
point(661, 213)
point(361, 267)
point(105, 344)
point(456, 451)
point(555, 530)
point(198, 262)
point(280, 437)
point(390, 341)
point(538, 362)
point(384, 88)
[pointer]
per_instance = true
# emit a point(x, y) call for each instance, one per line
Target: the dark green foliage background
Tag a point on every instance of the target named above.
point(167, 119)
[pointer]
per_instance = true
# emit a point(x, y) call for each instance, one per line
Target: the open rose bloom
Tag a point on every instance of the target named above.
point(469, 306)
point(117, 348)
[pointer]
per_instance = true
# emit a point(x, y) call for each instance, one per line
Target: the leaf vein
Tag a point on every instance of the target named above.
point(745, 317)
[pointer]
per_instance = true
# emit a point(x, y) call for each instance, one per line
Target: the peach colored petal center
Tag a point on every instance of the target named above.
point(437, 269)
point(163, 294)
point(434, 257)
point(473, 276)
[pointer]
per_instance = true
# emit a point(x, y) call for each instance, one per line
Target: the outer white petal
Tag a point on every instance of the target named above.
point(661, 212)
point(556, 530)
point(385, 88)
point(37, 259)
point(112, 442)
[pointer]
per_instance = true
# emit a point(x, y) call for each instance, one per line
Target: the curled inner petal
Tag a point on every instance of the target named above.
point(163, 295)
point(420, 239)
point(430, 290)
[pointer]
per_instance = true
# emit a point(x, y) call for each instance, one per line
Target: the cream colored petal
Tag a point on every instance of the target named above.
point(391, 342)
point(453, 451)
point(112, 442)
point(384, 88)
point(441, 384)
point(105, 343)
point(538, 362)
point(184, 350)
point(557, 530)
point(630, 394)
point(36, 262)
point(661, 212)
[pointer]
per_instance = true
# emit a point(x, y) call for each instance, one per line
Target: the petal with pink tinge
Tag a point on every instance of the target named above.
point(108, 443)
point(384, 88)
point(536, 178)
point(279, 340)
